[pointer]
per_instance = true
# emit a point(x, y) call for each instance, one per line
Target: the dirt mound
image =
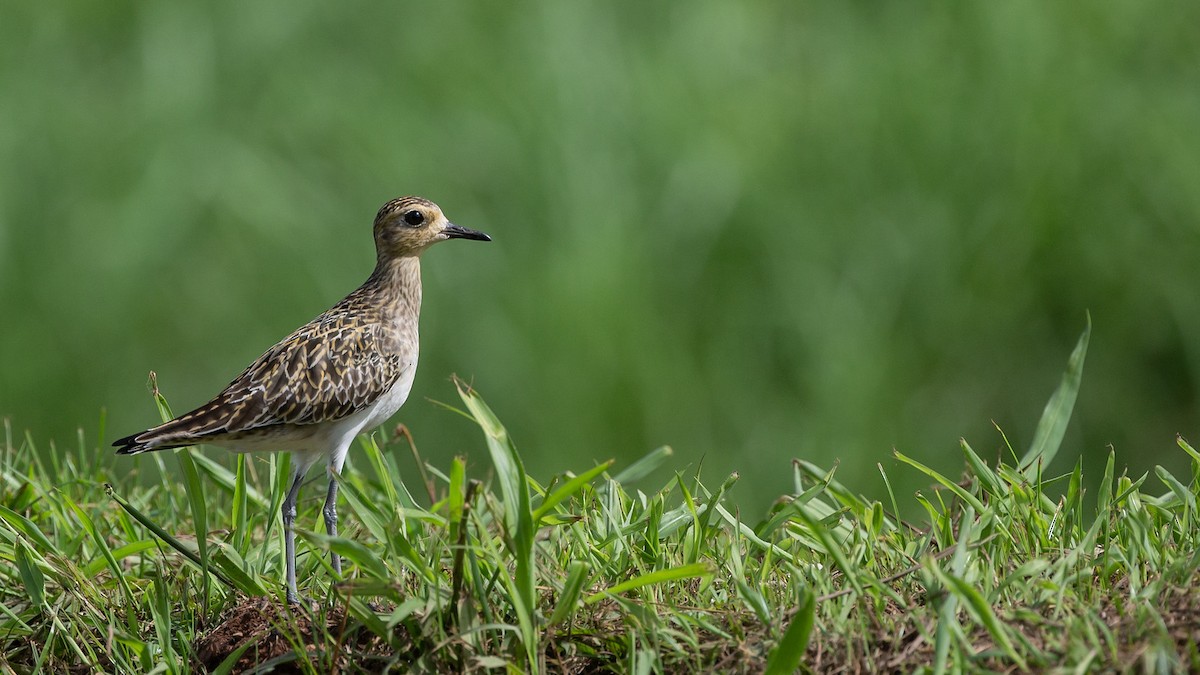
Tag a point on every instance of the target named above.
point(268, 630)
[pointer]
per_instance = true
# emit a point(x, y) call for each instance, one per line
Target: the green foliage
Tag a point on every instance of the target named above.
point(588, 571)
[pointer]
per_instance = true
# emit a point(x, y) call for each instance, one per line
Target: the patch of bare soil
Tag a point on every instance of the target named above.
point(271, 629)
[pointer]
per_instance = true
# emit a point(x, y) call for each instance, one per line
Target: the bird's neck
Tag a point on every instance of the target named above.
point(397, 281)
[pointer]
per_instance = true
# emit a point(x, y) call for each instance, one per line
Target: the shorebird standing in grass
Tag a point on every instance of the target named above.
point(343, 373)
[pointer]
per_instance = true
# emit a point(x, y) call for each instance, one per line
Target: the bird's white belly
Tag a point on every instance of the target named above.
point(387, 405)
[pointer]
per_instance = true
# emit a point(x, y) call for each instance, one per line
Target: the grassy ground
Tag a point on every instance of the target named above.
point(472, 568)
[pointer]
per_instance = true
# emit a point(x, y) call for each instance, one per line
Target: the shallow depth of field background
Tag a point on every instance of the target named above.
point(753, 231)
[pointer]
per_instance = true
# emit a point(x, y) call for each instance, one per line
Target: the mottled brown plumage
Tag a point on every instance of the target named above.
point(340, 374)
point(328, 369)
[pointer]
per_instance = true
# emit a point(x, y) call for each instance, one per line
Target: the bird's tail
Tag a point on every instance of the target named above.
point(145, 441)
point(177, 433)
point(189, 428)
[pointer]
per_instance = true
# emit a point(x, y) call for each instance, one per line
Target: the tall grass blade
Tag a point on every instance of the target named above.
point(509, 472)
point(380, 465)
point(226, 479)
point(226, 559)
point(195, 495)
point(1104, 493)
point(832, 547)
point(241, 530)
point(519, 521)
point(1053, 425)
point(162, 534)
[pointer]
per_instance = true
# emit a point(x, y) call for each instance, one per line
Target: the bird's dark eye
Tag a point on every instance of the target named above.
point(414, 217)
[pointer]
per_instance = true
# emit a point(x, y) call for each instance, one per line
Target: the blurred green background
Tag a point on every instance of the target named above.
point(753, 231)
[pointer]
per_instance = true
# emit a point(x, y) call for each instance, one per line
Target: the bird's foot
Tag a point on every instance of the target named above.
point(297, 602)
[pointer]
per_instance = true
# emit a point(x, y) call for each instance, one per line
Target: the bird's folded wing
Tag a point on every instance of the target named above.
point(307, 379)
point(324, 371)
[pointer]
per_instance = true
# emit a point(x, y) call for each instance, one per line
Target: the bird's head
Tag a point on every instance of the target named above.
point(409, 225)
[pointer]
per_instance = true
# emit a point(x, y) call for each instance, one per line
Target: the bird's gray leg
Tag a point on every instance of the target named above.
point(331, 518)
point(289, 535)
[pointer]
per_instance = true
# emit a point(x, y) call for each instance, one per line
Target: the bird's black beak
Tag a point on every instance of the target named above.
point(453, 231)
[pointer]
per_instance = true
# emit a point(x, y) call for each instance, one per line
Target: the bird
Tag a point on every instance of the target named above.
point(342, 374)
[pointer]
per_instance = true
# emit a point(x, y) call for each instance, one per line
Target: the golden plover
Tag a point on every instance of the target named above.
point(345, 372)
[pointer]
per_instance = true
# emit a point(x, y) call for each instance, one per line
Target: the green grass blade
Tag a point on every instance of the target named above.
point(456, 499)
point(787, 655)
point(1180, 491)
point(981, 470)
point(786, 513)
point(162, 534)
point(195, 495)
point(979, 606)
point(160, 611)
point(1187, 447)
point(226, 559)
point(371, 512)
point(1053, 425)
point(31, 575)
point(351, 550)
point(748, 534)
point(692, 570)
point(753, 599)
point(120, 553)
point(831, 547)
point(509, 473)
point(950, 485)
point(514, 485)
point(643, 466)
point(1129, 490)
point(26, 527)
point(1104, 493)
point(492, 427)
point(278, 472)
point(945, 628)
point(226, 479)
point(380, 465)
point(568, 489)
point(106, 552)
point(241, 530)
point(887, 484)
point(568, 598)
point(229, 663)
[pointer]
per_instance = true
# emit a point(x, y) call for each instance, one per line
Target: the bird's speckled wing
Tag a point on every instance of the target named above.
point(327, 369)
